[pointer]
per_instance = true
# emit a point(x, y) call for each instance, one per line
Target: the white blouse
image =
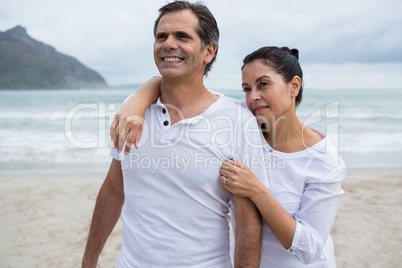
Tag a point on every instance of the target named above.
point(307, 184)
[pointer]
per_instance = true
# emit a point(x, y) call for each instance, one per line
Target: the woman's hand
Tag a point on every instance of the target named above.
point(128, 122)
point(239, 179)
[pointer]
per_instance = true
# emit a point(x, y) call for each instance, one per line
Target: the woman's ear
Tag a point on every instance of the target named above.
point(295, 86)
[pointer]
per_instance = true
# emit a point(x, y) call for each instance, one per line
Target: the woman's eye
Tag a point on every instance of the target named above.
point(246, 89)
point(263, 84)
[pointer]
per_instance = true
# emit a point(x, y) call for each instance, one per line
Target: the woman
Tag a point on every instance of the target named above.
point(303, 167)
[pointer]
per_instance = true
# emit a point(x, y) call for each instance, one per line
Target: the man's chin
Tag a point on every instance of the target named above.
point(170, 73)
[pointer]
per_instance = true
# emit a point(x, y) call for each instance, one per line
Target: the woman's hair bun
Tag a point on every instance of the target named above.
point(293, 51)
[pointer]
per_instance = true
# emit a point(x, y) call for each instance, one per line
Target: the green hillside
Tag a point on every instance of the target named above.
point(29, 64)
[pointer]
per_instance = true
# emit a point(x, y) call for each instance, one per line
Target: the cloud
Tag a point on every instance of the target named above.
point(324, 31)
point(115, 37)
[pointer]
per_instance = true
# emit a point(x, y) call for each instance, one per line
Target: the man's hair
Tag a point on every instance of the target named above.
point(207, 27)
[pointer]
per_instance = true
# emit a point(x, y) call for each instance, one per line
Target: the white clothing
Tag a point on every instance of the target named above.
point(307, 184)
point(175, 209)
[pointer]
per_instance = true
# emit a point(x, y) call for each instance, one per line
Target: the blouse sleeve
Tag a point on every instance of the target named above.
point(319, 204)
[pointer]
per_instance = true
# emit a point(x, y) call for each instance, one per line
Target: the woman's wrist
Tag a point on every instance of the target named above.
point(140, 103)
point(259, 193)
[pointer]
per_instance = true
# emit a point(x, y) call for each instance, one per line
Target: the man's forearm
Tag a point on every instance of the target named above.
point(106, 214)
point(248, 234)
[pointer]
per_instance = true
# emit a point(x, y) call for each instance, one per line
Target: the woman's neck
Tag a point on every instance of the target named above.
point(289, 135)
point(285, 134)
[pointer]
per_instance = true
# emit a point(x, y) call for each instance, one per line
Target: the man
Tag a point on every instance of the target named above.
point(175, 209)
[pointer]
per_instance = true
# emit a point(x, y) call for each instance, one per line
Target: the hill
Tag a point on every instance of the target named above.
point(26, 63)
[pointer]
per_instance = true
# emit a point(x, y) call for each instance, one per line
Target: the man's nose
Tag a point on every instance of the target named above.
point(170, 43)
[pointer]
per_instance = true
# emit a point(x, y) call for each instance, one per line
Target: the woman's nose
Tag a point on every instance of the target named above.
point(254, 95)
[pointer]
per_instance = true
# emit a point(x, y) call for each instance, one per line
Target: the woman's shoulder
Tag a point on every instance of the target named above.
point(325, 162)
point(312, 136)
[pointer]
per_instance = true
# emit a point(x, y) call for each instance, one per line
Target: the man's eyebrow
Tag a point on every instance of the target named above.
point(182, 33)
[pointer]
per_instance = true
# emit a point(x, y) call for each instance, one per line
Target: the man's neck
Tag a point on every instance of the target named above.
point(185, 99)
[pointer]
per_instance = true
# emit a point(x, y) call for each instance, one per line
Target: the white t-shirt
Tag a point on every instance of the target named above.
point(307, 184)
point(175, 210)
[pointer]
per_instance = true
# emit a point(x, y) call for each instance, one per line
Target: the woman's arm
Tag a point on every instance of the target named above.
point(318, 207)
point(240, 180)
point(305, 234)
point(128, 121)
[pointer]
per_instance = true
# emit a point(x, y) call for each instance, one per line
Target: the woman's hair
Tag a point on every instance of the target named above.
point(283, 60)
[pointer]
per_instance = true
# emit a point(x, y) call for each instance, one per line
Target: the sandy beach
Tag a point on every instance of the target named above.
point(44, 220)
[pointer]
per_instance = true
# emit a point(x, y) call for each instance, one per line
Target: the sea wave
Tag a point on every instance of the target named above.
point(45, 115)
point(40, 129)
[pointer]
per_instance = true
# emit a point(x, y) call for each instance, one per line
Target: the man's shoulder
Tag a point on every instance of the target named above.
point(234, 103)
point(234, 109)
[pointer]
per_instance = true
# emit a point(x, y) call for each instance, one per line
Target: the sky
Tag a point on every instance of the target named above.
point(343, 44)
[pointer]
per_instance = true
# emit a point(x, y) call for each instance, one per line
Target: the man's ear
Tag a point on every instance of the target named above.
point(210, 51)
point(295, 86)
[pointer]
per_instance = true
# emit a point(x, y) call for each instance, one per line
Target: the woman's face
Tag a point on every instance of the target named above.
point(268, 96)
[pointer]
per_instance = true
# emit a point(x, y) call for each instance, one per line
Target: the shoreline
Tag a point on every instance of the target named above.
point(45, 217)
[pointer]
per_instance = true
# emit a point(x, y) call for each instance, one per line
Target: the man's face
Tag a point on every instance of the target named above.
point(178, 50)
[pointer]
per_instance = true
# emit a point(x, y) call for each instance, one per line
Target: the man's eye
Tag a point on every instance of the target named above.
point(161, 36)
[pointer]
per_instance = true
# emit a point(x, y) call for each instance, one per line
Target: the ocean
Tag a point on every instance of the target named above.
point(68, 130)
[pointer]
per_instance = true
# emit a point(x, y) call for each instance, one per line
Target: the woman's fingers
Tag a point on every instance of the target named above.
point(126, 131)
point(227, 184)
point(137, 138)
point(236, 164)
point(113, 126)
point(135, 129)
point(121, 139)
point(237, 178)
point(228, 165)
point(225, 165)
point(116, 128)
point(225, 172)
point(223, 179)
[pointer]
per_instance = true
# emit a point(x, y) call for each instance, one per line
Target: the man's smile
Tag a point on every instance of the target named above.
point(172, 59)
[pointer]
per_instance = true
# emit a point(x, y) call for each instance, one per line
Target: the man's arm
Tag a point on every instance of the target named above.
point(248, 233)
point(106, 214)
